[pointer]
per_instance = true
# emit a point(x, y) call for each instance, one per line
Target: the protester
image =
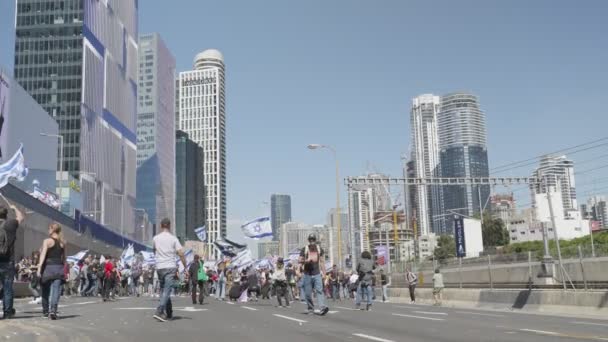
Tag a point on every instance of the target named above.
point(109, 279)
point(51, 270)
point(334, 279)
point(221, 284)
point(280, 283)
point(34, 280)
point(353, 283)
point(437, 287)
point(166, 249)
point(412, 281)
point(8, 235)
point(198, 277)
point(365, 270)
point(384, 281)
point(312, 257)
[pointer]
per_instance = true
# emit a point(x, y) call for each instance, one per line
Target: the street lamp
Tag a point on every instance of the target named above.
point(338, 224)
point(60, 137)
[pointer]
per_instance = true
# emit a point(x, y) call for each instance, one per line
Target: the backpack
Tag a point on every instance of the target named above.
point(4, 243)
point(202, 275)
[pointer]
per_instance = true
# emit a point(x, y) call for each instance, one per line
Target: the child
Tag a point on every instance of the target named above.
point(280, 283)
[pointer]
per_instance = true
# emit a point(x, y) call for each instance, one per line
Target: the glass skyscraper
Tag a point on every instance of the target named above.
point(156, 129)
point(280, 213)
point(78, 59)
point(189, 187)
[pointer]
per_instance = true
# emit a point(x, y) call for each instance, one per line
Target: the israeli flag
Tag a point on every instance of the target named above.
point(294, 255)
point(127, 255)
point(189, 256)
point(242, 259)
point(77, 257)
point(149, 258)
point(201, 232)
point(102, 259)
point(13, 168)
point(228, 248)
point(258, 228)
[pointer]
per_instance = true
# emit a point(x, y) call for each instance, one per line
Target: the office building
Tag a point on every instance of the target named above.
point(332, 223)
point(202, 114)
point(189, 187)
point(425, 158)
point(268, 248)
point(296, 236)
point(156, 130)
point(78, 59)
point(598, 210)
point(280, 213)
point(463, 154)
point(557, 172)
point(503, 207)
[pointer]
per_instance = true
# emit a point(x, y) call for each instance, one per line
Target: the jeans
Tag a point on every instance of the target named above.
point(84, 286)
point(166, 279)
point(335, 291)
point(221, 290)
point(7, 276)
point(364, 290)
point(301, 288)
point(33, 290)
point(51, 290)
point(384, 293)
point(314, 282)
point(413, 292)
point(92, 291)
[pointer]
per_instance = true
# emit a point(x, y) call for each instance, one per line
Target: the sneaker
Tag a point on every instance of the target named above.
point(161, 317)
point(53, 316)
point(38, 300)
point(368, 307)
point(324, 311)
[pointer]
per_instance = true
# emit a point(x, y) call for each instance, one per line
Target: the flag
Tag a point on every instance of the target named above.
point(242, 259)
point(228, 248)
point(149, 258)
point(201, 232)
point(127, 255)
point(294, 255)
point(102, 259)
point(13, 168)
point(189, 256)
point(76, 258)
point(49, 198)
point(258, 228)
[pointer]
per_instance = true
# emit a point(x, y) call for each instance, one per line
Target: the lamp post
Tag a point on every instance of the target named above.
point(338, 223)
point(60, 137)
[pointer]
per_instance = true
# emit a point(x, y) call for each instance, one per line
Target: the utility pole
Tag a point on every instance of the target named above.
point(559, 253)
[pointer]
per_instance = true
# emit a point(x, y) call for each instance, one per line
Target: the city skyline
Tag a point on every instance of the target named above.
point(525, 73)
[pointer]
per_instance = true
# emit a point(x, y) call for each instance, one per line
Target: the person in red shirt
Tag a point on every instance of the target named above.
point(108, 281)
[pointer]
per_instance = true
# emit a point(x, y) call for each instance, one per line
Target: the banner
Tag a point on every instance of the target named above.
point(14, 168)
point(201, 233)
point(381, 255)
point(258, 228)
point(461, 250)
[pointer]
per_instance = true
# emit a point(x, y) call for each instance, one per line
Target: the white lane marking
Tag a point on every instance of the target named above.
point(552, 333)
point(479, 314)
point(134, 308)
point(373, 338)
point(589, 323)
point(420, 317)
point(84, 303)
point(431, 313)
point(249, 308)
point(290, 318)
point(231, 303)
point(542, 332)
point(333, 312)
point(187, 309)
point(345, 308)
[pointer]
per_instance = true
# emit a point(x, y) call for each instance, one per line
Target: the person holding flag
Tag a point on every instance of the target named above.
point(8, 235)
point(166, 248)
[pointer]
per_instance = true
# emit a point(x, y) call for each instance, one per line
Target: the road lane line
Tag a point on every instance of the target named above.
point(420, 317)
point(373, 338)
point(345, 308)
point(542, 332)
point(589, 323)
point(479, 314)
point(231, 303)
point(332, 312)
point(249, 308)
point(431, 313)
point(84, 303)
point(290, 318)
point(552, 333)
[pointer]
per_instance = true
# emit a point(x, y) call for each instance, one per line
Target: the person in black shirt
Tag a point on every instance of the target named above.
point(8, 235)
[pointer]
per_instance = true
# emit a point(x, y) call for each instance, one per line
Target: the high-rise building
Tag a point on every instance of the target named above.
point(598, 210)
point(463, 154)
point(503, 207)
point(202, 114)
point(189, 187)
point(78, 59)
point(268, 248)
point(280, 213)
point(557, 172)
point(425, 157)
point(156, 130)
point(332, 223)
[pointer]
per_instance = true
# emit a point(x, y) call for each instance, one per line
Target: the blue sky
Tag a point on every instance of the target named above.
point(343, 73)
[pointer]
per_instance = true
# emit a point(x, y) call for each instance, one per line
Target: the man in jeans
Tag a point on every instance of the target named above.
point(166, 248)
point(312, 257)
point(412, 281)
point(8, 235)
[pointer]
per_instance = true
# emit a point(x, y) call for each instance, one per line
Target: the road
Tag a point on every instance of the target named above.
point(130, 319)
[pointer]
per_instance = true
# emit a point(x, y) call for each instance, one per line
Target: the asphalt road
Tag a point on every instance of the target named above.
point(130, 319)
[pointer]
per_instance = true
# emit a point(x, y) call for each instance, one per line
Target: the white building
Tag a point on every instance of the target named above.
point(426, 245)
point(202, 114)
point(558, 173)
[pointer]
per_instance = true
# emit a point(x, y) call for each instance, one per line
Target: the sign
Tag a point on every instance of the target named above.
point(382, 255)
point(200, 81)
point(461, 249)
point(4, 99)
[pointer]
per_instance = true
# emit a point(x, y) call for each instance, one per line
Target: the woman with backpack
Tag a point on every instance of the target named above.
point(51, 270)
point(365, 269)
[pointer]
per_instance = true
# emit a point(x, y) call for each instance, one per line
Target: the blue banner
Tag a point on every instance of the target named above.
point(461, 248)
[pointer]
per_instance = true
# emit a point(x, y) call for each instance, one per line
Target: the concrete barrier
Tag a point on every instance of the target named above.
point(580, 303)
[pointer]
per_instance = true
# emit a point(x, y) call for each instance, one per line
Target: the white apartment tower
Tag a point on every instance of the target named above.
point(202, 114)
point(558, 173)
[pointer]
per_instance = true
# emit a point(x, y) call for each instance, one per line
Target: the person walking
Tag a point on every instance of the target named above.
point(198, 277)
point(437, 287)
point(412, 281)
point(221, 284)
point(166, 249)
point(51, 270)
point(365, 269)
point(8, 235)
point(334, 282)
point(312, 257)
point(280, 283)
point(109, 278)
point(384, 281)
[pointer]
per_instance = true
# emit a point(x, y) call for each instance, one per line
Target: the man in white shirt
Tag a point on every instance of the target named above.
point(166, 249)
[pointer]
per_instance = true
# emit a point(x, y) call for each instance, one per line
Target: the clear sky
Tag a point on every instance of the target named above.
point(343, 73)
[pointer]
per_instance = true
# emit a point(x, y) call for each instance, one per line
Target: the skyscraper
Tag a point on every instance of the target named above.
point(280, 213)
point(78, 59)
point(425, 157)
point(463, 153)
point(156, 129)
point(202, 114)
point(558, 173)
point(189, 187)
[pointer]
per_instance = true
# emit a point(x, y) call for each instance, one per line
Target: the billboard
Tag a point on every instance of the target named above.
point(4, 117)
point(461, 250)
point(382, 255)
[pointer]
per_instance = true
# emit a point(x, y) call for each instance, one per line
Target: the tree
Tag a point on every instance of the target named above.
point(494, 232)
point(446, 248)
